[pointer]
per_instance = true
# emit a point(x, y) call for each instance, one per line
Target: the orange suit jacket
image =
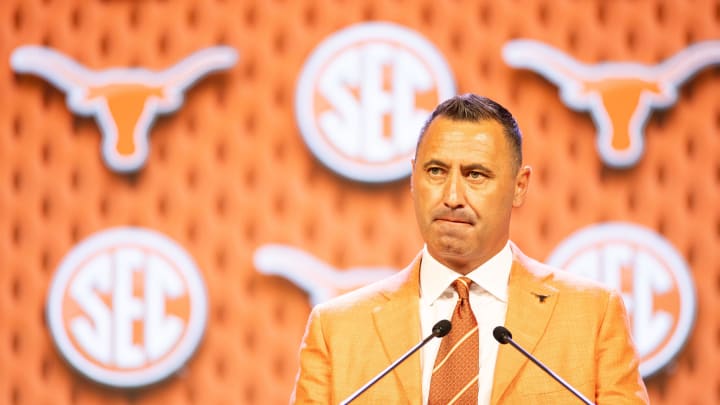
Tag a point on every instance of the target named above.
point(580, 331)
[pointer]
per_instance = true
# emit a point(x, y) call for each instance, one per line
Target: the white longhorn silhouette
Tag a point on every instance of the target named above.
point(124, 101)
point(320, 280)
point(619, 95)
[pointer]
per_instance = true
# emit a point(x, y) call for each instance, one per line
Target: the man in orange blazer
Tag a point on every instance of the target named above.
point(467, 177)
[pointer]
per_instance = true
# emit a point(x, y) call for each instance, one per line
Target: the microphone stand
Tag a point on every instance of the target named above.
point(503, 336)
point(439, 330)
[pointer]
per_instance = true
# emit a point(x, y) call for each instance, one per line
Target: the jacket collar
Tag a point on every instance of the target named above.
point(531, 302)
point(397, 322)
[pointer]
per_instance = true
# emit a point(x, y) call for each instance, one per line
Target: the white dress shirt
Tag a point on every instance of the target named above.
point(488, 300)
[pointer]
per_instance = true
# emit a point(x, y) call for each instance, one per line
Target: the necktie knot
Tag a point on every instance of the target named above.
point(462, 286)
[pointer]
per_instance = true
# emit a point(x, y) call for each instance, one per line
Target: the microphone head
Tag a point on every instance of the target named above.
point(501, 334)
point(441, 328)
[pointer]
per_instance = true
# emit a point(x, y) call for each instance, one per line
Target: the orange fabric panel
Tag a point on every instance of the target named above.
point(228, 172)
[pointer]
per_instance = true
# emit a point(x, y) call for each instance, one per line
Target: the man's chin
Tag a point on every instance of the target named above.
point(450, 251)
point(456, 262)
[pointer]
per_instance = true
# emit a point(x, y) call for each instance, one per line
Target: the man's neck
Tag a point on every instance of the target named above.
point(464, 265)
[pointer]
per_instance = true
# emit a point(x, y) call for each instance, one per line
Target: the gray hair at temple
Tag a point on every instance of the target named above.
point(474, 108)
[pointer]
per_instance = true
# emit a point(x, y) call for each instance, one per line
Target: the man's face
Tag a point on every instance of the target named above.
point(464, 186)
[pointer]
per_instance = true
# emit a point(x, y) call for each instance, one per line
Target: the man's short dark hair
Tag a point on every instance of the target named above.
point(474, 108)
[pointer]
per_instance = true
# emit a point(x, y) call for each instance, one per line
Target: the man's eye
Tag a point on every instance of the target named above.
point(435, 171)
point(475, 174)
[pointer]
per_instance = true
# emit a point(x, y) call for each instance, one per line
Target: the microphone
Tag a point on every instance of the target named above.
point(440, 329)
point(504, 336)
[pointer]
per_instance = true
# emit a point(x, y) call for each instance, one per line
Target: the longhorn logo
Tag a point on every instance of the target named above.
point(124, 101)
point(318, 279)
point(619, 96)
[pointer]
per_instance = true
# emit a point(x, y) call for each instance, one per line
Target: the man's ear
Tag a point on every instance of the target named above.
point(522, 182)
point(412, 173)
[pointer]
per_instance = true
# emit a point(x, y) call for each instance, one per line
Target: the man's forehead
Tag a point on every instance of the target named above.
point(444, 125)
point(464, 138)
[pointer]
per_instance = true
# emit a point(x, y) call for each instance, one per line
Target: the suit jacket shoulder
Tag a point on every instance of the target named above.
point(577, 327)
point(351, 338)
point(405, 281)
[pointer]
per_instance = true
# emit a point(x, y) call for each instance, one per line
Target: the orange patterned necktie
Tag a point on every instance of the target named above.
point(455, 375)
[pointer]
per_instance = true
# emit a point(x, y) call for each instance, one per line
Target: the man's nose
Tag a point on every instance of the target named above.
point(453, 196)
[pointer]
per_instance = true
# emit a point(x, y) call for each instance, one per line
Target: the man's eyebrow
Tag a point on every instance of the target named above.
point(477, 166)
point(434, 162)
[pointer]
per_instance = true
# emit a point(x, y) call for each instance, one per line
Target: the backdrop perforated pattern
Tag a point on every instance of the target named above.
point(228, 172)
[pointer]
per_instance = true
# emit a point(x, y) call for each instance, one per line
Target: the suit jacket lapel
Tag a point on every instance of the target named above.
point(531, 302)
point(398, 325)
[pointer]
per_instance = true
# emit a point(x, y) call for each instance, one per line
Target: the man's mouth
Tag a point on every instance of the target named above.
point(454, 220)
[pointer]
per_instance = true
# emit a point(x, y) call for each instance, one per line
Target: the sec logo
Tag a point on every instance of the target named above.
point(127, 307)
point(654, 280)
point(363, 96)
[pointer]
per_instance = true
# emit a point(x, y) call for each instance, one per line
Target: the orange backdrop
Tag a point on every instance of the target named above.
point(228, 172)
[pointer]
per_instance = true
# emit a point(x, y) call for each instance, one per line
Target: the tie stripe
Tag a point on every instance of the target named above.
point(466, 283)
point(440, 363)
point(455, 373)
point(462, 391)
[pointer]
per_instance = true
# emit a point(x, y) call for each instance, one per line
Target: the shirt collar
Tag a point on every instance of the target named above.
point(492, 276)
